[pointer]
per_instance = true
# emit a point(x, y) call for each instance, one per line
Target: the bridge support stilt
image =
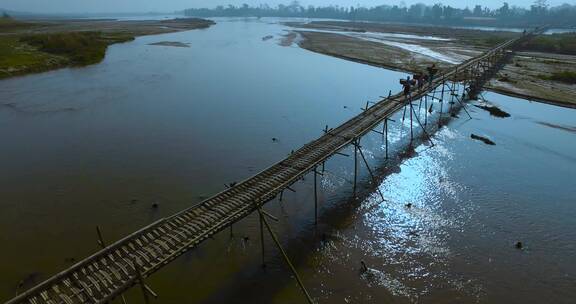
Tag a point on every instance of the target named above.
point(386, 135)
point(144, 293)
point(261, 216)
point(463, 107)
point(286, 258)
point(316, 173)
point(404, 114)
point(145, 289)
point(425, 110)
point(441, 104)
point(103, 245)
point(453, 93)
point(100, 238)
point(374, 181)
point(411, 128)
point(424, 130)
point(356, 143)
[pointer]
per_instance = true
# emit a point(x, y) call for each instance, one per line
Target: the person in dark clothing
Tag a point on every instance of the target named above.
point(419, 80)
point(432, 70)
point(407, 85)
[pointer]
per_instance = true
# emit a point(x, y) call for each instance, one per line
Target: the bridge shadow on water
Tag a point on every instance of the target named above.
point(339, 210)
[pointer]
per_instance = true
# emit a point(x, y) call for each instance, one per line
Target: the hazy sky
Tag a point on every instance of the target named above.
point(91, 6)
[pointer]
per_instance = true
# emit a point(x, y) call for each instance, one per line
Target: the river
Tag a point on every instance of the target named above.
point(170, 126)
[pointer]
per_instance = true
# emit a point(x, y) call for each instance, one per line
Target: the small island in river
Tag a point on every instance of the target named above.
point(171, 43)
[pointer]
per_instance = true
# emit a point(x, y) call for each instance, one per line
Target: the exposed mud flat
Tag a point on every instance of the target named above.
point(412, 48)
point(525, 76)
point(288, 39)
point(171, 43)
point(405, 54)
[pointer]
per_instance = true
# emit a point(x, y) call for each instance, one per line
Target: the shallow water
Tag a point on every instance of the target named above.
point(397, 40)
point(99, 145)
point(516, 30)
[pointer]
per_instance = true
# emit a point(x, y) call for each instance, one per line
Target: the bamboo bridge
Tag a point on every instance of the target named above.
point(110, 272)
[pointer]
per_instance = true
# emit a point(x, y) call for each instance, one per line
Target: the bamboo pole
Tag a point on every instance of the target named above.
point(286, 259)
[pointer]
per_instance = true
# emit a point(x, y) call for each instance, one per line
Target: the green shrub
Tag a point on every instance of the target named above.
point(10, 24)
point(494, 40)
point(556, 43)
point(83, 48)
point(564, 76)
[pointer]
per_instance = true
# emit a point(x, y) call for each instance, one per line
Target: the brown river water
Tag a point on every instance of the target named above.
point(155, 124)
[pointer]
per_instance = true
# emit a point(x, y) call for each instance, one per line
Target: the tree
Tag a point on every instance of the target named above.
point(295, 7)
point(437, 11)
point(539, 7)
point(478, 10)
point(506, 15)
point(504, 10)
point(417, 10)
point(541, 3)
point(6, 16)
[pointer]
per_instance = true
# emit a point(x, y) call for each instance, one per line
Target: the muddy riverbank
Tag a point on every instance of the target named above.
point(412, 48)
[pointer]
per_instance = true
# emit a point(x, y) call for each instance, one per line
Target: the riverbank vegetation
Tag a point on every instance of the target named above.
point(80, 48)
point(31, 47)
point(7, 23)
point(22, 54)
point(556, 43)
point(563, 76)
point(537, 13)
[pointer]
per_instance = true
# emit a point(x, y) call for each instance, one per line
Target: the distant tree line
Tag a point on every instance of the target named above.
point(537, 14)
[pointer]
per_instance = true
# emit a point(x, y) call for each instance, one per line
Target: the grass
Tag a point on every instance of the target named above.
point(568, 77)
point(18, 58)
point(82, 48)
point(556, 43)
point(493, 40)
point(10, 24)
point(24, 54)
point(30, 46)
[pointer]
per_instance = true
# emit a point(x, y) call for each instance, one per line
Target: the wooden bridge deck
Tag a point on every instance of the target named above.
point(108, 273)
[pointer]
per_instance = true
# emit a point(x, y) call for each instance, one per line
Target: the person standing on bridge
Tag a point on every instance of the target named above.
point(432, 70)
point(407, 85)
point(419, 80)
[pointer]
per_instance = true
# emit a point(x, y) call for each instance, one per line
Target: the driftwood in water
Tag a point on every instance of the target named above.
point(483, 139)
point(494, 111)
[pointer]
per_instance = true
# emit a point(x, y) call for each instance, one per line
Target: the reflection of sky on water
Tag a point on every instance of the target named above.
point(399, 230)
point(407, 249)
point(470, 203)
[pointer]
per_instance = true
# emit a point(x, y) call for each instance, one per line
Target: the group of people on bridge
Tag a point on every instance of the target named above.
point(418, 80)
